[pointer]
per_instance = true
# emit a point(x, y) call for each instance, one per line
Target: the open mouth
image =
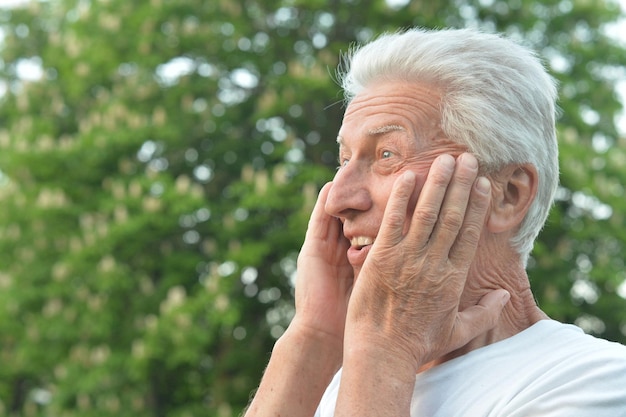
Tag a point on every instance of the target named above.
point(361, 241)
point(359, 249)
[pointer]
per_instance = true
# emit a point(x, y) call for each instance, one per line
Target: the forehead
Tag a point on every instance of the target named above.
point(378, 131)
point(393, 106)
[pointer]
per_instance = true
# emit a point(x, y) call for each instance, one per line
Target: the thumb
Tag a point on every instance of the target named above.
point(480, 318)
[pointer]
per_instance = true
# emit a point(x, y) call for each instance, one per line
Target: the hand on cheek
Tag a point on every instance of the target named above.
point(406, 299)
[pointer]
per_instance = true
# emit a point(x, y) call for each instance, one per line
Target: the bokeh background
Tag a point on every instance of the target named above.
point(159, 160)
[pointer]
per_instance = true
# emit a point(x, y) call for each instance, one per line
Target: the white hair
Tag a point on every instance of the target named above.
point(496, 99)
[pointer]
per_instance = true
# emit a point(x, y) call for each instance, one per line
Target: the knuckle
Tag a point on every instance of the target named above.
point(479, 202)
point(440, 179)
point(470, 234)
point(451, 219)
point(467, 180)
point(426, 215)
point(395, 219)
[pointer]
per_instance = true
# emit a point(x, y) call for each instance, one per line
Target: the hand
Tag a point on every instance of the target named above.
point(324, 279)
point(309, 353)
point(405, 302)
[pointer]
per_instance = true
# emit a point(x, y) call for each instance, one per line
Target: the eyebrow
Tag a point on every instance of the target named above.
point(381, 130)
point(377, 131)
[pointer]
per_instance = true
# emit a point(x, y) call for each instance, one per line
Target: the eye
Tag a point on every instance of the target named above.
point(342, 162)
point(386, 154)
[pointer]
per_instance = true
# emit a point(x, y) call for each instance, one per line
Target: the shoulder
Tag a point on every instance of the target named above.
point(567, 338)
point(577, 373)
point(559, 348)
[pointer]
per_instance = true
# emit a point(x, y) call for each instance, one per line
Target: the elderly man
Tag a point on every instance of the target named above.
point(412, 296)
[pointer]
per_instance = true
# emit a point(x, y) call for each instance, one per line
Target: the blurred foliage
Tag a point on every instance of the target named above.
point(159, 161)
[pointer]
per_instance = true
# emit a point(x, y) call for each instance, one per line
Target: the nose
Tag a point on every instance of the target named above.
point(350, 192)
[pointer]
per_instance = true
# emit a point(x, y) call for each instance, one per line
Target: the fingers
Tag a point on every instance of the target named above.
point(463, 250)
point(395, 213)
point(321, 225)
point(453, 209)
point(324, 239)
point(450, 211)
point(479, 319)
point(427, 210)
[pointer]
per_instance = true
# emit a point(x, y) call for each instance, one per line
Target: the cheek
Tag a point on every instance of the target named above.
point(381, 191)
point(420, 163)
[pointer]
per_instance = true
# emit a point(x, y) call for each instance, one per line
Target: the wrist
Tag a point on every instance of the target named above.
point(302, 365)
point(317, 349)
point(374, 347)
point(375, 381)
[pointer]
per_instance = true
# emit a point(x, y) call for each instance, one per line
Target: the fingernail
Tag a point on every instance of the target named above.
point(506, 296)
point(446, 161)
point(470, 160)
point(407, 176)
point(483, 185)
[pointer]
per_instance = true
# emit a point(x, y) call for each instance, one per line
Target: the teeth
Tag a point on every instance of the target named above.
point(361, 241)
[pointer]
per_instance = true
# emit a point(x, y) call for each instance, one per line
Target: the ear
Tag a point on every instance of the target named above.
point(514, 191)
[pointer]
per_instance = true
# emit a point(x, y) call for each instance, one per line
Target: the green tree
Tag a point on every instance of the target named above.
point(159, 163)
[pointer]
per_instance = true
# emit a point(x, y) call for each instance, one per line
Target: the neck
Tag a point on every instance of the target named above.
point(487, 274)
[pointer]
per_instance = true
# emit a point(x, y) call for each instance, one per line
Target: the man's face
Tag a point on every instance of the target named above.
point(387, 129)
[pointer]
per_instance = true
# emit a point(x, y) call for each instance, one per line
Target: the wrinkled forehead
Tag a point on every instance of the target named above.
point(378, 131)
point(393, 106)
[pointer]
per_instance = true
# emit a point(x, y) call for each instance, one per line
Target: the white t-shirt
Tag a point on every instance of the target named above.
point(548, 370)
